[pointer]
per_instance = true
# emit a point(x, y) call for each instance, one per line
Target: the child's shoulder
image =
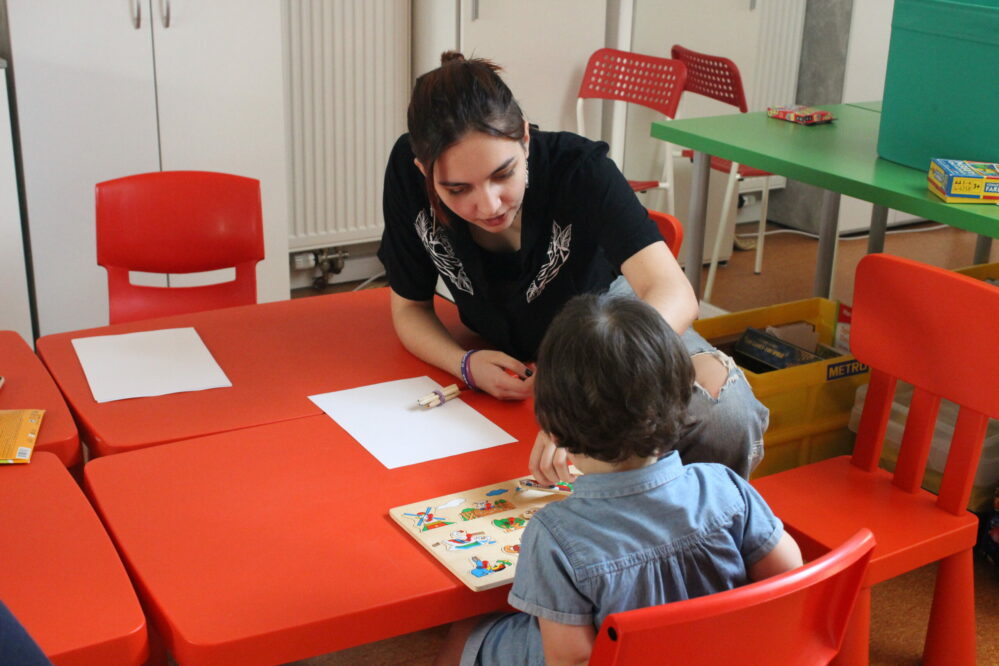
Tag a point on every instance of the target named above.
point(715, 471)
point(716, 477)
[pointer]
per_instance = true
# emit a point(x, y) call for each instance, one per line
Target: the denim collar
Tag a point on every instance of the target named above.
point(630, 482)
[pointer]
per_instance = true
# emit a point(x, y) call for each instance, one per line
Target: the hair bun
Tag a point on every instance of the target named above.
point(452, 56)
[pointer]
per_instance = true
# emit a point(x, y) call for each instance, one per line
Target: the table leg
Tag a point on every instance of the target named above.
point(828, 235)
point(697, 220)
point(879, 222)
point(983, 247)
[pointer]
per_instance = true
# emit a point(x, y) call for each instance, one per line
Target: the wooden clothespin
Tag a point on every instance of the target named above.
point(437, 398)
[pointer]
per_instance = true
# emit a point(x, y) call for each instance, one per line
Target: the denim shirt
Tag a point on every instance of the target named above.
point(627, 540)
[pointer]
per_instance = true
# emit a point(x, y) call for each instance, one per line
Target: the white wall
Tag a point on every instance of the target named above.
point(864, 81)
point(15, 313)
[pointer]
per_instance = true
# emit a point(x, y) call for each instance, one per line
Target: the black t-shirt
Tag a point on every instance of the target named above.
point(580, 221)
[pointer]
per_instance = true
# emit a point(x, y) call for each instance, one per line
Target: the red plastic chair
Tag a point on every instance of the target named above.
point(671, 230)
point(650, 81)
point(798, 617)
point(178, 222)
point(719, 79)
point(933, 329)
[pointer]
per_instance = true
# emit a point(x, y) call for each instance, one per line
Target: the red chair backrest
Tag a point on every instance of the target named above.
point(670, 229)
point(798, 617)
point(712, 76)
point(647, 80)
point(178, 222)
point(934, 329)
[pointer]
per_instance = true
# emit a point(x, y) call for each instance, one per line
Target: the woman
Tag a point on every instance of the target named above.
point(517, 221)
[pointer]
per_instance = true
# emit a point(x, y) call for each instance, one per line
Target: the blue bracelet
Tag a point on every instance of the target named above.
point(466, 370)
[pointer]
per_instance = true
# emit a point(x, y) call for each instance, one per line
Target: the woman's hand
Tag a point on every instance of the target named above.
point(491, 372)
point(549, 464)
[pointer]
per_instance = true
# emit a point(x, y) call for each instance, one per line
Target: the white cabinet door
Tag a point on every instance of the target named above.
point(219, 84)
point(87, 112)
point(542, 45)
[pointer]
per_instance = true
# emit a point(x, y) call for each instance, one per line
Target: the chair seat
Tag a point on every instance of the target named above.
point(643, 185)
point(827, 501)
point(719, 164)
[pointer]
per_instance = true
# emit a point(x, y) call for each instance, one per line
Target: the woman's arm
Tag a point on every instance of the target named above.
point(657, 279)
point(566, 644)
point(424, 336)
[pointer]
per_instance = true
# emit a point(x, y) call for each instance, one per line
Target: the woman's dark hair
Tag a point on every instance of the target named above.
point(458, 97)
point(613, 380)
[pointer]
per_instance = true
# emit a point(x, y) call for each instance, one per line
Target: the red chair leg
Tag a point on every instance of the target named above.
point(950, 637)
point(857, 642)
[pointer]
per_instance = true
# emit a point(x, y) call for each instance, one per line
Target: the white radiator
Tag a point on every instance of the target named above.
point(348, 85)
point(776, 74)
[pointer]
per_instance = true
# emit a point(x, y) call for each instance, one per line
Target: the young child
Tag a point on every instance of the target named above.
point(640, 528)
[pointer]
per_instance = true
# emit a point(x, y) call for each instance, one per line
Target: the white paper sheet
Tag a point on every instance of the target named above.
point(385, 420)
point(138, 365)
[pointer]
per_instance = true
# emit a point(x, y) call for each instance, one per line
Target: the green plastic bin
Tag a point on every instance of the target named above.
point(941, 93)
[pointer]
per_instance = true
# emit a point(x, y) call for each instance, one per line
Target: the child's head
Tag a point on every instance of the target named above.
point(613, 379)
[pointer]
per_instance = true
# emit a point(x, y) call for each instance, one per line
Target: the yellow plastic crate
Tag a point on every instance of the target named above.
point(809, 404)
point(981, 271)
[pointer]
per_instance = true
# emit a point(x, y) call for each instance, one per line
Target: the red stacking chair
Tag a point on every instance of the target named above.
point(933, 329)
point(650, 81)
point(798, 617)
point(177, 222)
point(670, 229)
point(719, 79)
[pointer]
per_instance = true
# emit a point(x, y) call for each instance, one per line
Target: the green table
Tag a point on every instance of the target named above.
point(840, 157)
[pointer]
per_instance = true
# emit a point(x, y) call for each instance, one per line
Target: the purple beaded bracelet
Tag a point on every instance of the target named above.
point(466, 369)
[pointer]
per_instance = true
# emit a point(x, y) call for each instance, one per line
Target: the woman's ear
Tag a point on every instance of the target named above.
point(419, 165)
point(527, 138)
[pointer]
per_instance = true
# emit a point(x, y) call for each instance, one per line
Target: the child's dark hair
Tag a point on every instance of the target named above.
point(458, 97)
point(613, 379)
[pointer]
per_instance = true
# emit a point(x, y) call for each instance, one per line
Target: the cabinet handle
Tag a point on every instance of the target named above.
point(136, 14)
point(475, 10)
point(165, 13)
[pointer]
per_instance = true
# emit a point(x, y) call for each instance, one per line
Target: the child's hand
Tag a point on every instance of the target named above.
point(501, 376)
point(549, 464)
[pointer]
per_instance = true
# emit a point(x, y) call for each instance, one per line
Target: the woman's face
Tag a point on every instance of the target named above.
point(482, 179)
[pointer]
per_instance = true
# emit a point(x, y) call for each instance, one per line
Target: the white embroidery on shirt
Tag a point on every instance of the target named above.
point(439, 247)
point(558, 254)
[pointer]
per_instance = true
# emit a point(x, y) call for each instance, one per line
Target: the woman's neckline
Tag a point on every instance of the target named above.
point(507, 241)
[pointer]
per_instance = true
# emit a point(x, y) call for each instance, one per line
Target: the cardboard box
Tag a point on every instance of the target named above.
point(803, 115)
point(963, 181)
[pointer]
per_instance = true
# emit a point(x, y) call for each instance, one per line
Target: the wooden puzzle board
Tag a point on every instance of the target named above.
point(476, 533)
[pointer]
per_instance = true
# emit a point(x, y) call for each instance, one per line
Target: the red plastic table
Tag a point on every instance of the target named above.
point(29, 386)
point(61, 576)
point(273, 543)
point(275, 355)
